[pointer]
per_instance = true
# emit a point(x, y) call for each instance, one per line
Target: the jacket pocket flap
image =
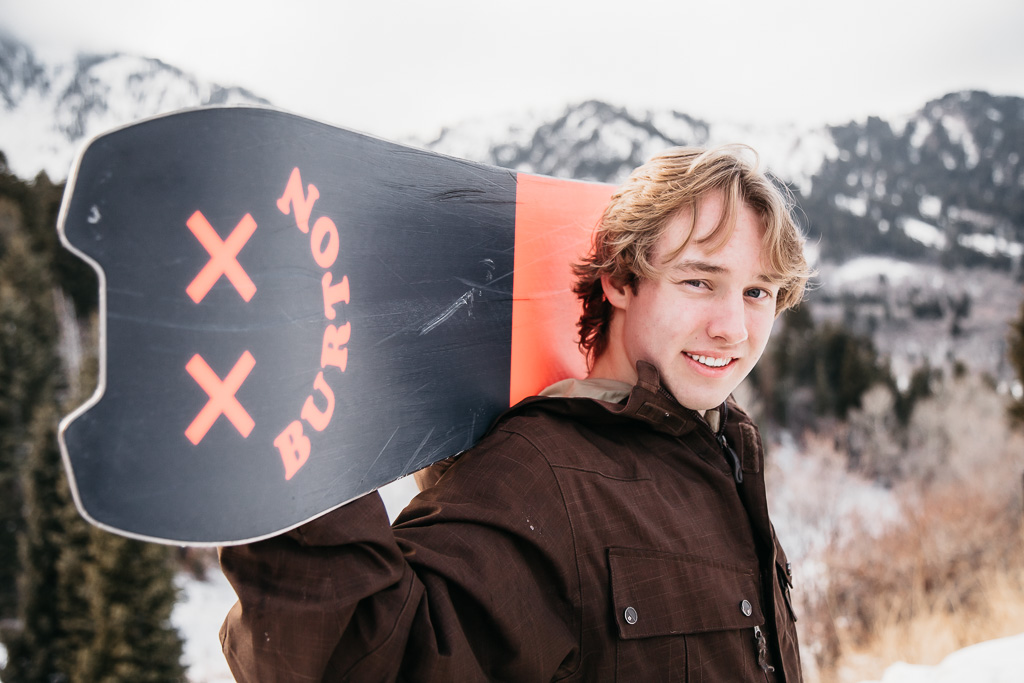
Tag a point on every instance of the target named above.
point(660, 594)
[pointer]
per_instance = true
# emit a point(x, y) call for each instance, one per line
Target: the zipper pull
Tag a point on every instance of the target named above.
point(762, 651)
point(734, 460)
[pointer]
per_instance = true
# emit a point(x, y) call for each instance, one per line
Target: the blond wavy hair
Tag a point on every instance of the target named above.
point(672, 182)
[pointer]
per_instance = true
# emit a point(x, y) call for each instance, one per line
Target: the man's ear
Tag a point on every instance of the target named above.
point(616, 293)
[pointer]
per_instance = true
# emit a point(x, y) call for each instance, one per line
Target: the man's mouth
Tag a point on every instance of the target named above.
point(710, 361)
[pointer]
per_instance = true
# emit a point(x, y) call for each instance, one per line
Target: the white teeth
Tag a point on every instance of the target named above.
point(709, 361)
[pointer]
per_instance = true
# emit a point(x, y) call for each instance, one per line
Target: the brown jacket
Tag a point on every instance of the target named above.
point(580, 540)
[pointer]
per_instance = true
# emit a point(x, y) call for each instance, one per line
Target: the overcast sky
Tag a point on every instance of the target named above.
point(392, 68)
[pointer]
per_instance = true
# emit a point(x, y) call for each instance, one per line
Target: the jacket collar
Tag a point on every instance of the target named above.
point(650, 402)
point(647, 401)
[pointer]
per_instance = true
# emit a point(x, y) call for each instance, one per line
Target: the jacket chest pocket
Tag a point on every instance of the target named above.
point(683, 618)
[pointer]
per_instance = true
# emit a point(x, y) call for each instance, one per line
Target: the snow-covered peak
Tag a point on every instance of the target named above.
point(595, 140)
point(19, 71)
point(793, 154)
point(49, 109)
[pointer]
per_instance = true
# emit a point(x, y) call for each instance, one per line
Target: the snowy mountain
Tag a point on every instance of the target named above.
point(598, 141)
point(944, 185)
point(947, 181)
point(47, 110)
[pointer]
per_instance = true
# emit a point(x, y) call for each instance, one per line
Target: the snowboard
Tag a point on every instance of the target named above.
point(294, 314)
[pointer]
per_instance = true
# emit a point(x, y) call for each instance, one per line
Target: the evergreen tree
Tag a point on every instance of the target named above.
point(846, 365)
point(28, 360)
point(52, 613)
point(784, 368)
point(810, 369)
point(921, 386)
point(1016, 354)
point(75, 554)
point(129, 586)
point(34, 652)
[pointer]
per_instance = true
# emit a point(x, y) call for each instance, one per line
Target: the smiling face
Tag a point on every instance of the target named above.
point(705, 321)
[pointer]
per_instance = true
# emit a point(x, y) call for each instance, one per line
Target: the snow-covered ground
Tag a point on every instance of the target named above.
point(197, 616)
point(994, 661)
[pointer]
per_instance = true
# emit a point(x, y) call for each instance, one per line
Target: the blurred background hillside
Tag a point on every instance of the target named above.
point(891, 401)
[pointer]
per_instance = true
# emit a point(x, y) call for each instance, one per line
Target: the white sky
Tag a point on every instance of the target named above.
point(392, 68)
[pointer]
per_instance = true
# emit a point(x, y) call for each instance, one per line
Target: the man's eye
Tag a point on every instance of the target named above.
point(759, 293)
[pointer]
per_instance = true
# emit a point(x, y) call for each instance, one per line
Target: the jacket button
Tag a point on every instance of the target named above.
point(746, 608)
point(630, 616)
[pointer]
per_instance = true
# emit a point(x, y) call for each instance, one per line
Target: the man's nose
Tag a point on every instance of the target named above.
point(728, 320)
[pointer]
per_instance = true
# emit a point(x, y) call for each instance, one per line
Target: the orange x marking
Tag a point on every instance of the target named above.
point(222, 397)
point(223, 257)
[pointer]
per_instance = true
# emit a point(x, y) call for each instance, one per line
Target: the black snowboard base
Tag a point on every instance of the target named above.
point(294, 314)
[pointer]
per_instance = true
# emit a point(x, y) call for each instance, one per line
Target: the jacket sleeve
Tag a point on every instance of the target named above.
point(477, 581)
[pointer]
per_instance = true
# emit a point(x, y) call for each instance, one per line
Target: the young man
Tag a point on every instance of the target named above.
point(614, 528)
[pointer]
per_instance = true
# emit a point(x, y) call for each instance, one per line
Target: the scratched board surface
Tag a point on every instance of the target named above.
point(292, 315)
